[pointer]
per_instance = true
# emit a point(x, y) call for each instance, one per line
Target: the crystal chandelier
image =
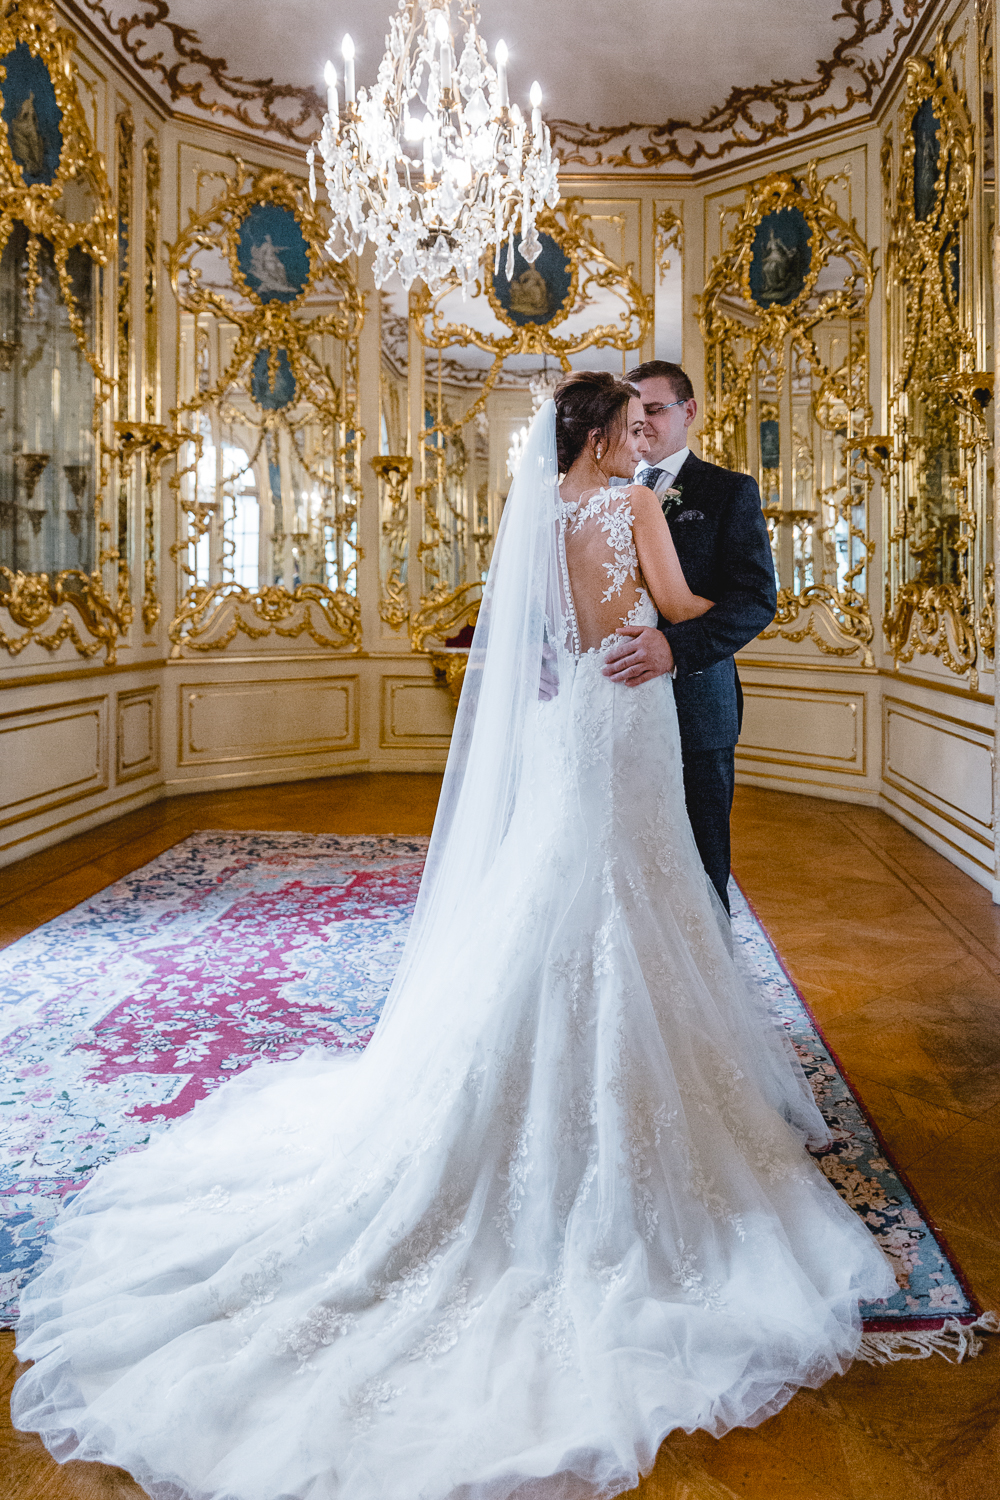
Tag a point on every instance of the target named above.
point(434, 164)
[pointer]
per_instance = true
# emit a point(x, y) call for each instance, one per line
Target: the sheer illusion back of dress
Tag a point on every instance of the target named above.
point(606, 588)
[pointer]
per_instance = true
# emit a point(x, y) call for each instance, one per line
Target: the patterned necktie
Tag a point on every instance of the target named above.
point(650, 477)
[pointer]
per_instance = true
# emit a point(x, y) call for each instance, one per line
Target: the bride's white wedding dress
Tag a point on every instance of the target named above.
point(560, 1207)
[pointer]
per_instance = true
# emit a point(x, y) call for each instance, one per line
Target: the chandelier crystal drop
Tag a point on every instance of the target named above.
point(433, 164)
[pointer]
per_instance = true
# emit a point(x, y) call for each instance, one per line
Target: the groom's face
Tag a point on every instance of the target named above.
point(667, 419)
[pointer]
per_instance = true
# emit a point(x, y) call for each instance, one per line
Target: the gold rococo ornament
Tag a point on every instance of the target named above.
point(938, 397)
point(54, 182)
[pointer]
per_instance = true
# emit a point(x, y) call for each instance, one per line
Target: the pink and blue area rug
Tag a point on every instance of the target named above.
point(118, 1016)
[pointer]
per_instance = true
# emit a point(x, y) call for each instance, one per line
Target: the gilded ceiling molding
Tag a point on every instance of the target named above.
point(295, 113)
point(256, 103)
point(793, 103)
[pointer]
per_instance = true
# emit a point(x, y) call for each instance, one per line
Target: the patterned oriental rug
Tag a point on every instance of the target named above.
point(118, 1016)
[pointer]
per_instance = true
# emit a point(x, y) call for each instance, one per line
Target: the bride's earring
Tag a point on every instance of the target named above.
point(597, 452)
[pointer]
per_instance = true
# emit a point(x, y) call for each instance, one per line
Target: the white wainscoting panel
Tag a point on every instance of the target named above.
point(52, 756)
point(222, 722)
point(137, 733)
point(818, 729)
point(941, 767)
point(416, 713)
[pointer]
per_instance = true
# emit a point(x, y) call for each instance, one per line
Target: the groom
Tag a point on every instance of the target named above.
point(722, 543)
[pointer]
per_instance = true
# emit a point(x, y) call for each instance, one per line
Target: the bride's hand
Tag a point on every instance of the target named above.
point(645, 655)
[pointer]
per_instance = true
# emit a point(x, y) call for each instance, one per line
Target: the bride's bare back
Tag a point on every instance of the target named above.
point(605, 581)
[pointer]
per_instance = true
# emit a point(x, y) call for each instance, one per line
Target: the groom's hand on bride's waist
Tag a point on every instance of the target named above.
point(645, 655)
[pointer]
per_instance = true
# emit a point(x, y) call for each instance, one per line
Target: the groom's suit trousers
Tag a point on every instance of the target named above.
point(709, 782)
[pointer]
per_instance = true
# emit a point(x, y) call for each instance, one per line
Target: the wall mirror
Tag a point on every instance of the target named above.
point(939, 481)
point(59, 544)
point(785, 321)
point(460, 382)
point(267, 479)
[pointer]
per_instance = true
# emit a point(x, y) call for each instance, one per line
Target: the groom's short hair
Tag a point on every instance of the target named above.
point(680, 384)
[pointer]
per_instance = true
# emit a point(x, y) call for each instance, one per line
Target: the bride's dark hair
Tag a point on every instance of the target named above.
point(588, 401)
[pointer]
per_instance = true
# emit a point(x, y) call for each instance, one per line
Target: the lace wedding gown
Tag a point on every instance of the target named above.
point(560, 1207)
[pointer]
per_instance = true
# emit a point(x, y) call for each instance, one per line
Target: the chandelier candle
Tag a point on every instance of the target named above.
point(347, 49)
point(433, 164)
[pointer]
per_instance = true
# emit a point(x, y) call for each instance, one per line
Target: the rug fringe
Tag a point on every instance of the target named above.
point(954, 1341)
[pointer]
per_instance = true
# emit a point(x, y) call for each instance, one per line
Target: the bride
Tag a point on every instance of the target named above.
point(561, 1205)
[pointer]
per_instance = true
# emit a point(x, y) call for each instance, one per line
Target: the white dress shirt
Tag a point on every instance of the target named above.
point(670, 467)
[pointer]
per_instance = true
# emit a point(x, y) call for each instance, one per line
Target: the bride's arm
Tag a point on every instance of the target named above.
point(658, 560)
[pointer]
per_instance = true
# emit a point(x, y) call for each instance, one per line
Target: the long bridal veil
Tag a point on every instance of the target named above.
point(519, 650)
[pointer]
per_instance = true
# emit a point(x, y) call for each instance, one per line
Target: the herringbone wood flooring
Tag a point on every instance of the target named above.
point(898, 954)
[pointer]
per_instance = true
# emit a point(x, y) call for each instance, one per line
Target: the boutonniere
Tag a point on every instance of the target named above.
point(670, 499)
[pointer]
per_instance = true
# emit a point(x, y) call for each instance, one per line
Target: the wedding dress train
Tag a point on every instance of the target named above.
point(558, 1208)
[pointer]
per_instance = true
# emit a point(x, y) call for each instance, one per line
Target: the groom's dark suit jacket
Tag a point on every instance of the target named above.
point(722, 544)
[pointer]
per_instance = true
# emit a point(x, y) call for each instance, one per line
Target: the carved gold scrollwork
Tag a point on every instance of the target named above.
point(784, 318)
point(229, 610)
point(443, 615)
point(592, 269)
point(393, 471)
point(668, 229)
point(449, 667)
point(30, 600)
point(275, 402)
point(156, 444)
point(150, 280)
point(938, 396)
point(54, 185)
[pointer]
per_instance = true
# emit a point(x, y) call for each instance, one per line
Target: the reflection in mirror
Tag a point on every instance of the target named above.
point(938, 476)
point(784, 318)
point(48, 475)
point(486, 363)
point(267, 478)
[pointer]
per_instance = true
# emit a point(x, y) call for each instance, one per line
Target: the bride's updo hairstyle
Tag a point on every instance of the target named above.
point(588, 401)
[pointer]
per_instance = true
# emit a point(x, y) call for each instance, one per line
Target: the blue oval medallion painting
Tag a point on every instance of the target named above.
point(272, 253)
point(272, 390)
point(32, 116)
point(536, 293)
point(781, 257)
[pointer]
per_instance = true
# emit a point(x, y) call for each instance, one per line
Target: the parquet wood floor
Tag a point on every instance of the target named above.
point(899, 956)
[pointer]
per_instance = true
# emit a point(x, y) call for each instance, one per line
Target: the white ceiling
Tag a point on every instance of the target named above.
point(723, 75)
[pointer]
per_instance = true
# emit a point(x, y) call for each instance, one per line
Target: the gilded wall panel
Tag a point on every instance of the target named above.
point(784, 319)
point(267, 481)
point(938, 175)
point(63, 543)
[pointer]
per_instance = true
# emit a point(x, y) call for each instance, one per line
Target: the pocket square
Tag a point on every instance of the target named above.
point(690, 515)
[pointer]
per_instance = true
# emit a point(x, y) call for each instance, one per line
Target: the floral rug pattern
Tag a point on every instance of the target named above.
point(118, 1016)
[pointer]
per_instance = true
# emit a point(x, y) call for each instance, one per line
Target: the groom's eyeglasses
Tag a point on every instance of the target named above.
point(655, 411)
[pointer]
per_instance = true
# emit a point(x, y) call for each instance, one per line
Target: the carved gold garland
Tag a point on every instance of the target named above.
point(99, 599)
point(937, 396)
point(746, 337)
point(444, 610)
point(210, 616)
